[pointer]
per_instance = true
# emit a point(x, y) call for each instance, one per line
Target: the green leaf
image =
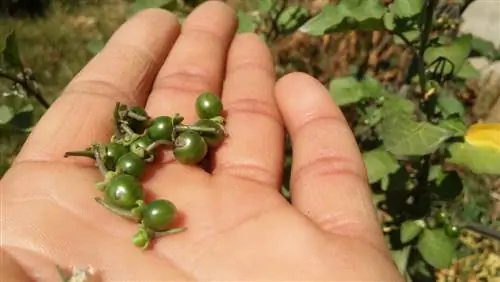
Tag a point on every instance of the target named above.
point(449, 104)
point(23, 119)
point(6, 114)
point(407, 8)
point(400, 257)
point(265, 6)
point(388, 19)
point(437, 248)
point(346, 15)
point(480, 160)
point(395, 105)
point(95, 46)
point(379, 163)
point(411, 35)
point(449, 186)
point(456, 54)
point(410, 229)
point(404, 136)
point(139, 5)
point(292, 17)
point(348, 90)
point(11, 50)
point(468, 71)
point(455, 125)
point(485, 48)
point(246, 22)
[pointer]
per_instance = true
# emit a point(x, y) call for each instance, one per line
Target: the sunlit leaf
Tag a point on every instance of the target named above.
point(6, 114)
point(437, 248)
point(348, 90)
point(400, 257)
point(379, 163)
point(410, 229)
point(480, 160)
point(95, 46)
point(139, 5)
point(485, 48)
point(246, 22)
point(455, 53)
point(455, 125)
point(346, 15)
point(265, 6)
point(389, 20)
point(404, 136)
point(449, 104)
point(407, 8)
point(468, 71)
point(292, 17)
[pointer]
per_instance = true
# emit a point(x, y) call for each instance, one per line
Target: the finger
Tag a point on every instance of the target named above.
point(123, 71)
point(196, 63)
point(328, 182)
point(252, 151)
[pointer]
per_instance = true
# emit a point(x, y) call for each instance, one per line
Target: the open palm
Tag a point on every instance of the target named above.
point(239, 227)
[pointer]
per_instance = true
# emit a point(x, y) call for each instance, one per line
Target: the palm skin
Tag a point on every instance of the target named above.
point(239, 227)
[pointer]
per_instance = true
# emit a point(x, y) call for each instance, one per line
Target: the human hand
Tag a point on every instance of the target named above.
point(239, 227)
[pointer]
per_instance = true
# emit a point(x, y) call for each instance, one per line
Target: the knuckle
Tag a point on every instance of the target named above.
point(315, 121)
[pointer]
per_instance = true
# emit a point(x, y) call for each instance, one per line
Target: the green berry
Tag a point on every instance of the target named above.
point(190, 148)
point(212, 139)
point(131, 164)
point(158, 215)
point(208, 105)
point(452, 230)
point(113, 151)
point(442, 218)
point(161, 128)
point(123, 191)
point(140, 145)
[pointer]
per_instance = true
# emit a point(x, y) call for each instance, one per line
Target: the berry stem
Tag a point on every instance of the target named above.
point(181, 128)
point(121, 212)
point(157, 144)
point(169, 232)
point(99, 160)
point(136, 116)
point(127, 129)
point(86, 153)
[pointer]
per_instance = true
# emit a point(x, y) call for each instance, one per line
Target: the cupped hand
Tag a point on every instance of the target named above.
point(239, 227)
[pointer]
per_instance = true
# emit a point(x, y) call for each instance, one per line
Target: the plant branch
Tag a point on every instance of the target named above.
point(31, 91)
point(426, 28)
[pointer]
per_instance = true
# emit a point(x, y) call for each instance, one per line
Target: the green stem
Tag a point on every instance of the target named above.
point(169, 232)
point(136, 116)
point(426, 29)
point(181, 128)
point(483, 230)
point(99, 160)
point(29, 89)
point(121, 212)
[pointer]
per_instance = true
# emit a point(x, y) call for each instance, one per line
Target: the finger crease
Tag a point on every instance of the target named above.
point(101, 88)
point(251, 65)
point(327, 166)
point(253, 173)
point(309, 122)
point(187, 82)
point(253, 106)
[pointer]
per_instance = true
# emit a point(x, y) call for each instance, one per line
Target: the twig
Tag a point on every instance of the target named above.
point(33, 92)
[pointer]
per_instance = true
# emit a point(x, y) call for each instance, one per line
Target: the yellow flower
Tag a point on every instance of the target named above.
point(484, 135)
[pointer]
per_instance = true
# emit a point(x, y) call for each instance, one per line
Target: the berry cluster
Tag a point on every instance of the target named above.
point(135, 143)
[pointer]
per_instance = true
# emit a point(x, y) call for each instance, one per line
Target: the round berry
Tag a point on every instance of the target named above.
point(212, 139)
point(452, 230)
point(113, 152)
point(158, 214)
point(190, 147)
point(208, 105)
point(124, 191)
point(131, 164)
point(161, 128)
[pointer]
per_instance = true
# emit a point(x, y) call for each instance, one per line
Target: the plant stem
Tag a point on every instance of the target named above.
point(88, 154)
point(426, 28)
point(29, 89)
point(121, 212)
point(181, 128)
point(483, 230)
